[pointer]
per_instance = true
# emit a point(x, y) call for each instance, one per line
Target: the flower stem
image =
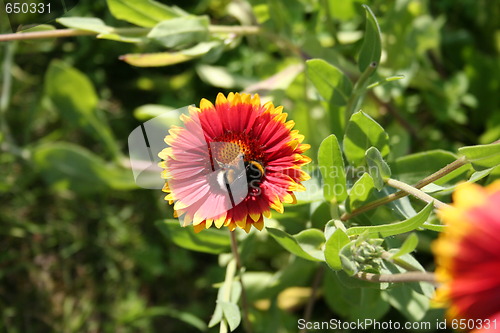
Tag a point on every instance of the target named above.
point(226, 296)
point(244, 301)
point(236, 29)
point(415, 192)
point(358, 90)
point(310, 304)
point(398, 195)
point(8, 143)
point(397, 278)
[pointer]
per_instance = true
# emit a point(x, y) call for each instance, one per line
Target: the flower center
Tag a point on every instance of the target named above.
point(231, 145)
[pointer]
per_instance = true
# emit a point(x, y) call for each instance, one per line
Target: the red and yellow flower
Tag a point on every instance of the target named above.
point(468, 255)
point(229, 164)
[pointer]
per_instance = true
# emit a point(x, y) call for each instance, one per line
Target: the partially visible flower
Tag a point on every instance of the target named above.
point(230, 163)
point(468, 255)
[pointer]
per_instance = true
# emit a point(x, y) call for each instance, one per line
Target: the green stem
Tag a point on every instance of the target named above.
point(397, 278)
point(415, 192)
point(9, 143)
point(226, 297)
point(358, 90)
point(227, 29)
point(398, 195)
point(244, 301)
point(330, 25)
point(310, 304)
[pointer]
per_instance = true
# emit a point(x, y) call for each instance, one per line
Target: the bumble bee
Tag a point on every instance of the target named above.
point(253, 171)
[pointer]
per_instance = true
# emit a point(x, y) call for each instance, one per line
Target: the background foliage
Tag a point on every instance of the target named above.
point(80, 249)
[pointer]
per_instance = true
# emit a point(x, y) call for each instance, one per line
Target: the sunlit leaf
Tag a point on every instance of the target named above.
point(360, 192)
point(392, 229)
point(180, 31)
point(144, 13)
point(482, 156)
point(333, 85)
point(232, 314)
point(168, 58)
point(377, 167)
point(331, 164)
point(362, 133)
point(409, 245)
point(85, 23)
point(412, 168)
point(332, 249)
point(371, 49)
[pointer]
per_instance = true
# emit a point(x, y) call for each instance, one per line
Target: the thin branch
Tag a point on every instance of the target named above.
point(227, 29)
point(312, 299)
point(45, 34)
point(415, 192)
point(244, 301)
point(398, 278)
point(358, 90)
point(401, 194)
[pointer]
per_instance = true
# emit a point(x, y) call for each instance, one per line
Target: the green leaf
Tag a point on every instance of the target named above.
point(178, 32)
point(168, 58)
point(377, 167)
point(184, 316)
point(371, 49)
point(331, 164)
point(71, 92)
point(85, 23)
point(412, 168)
point(74, 97)
point(232, 314)
point(333, 85)
point(410, 303)
point(332, 249)
point(305, 244)
point(67, 166)
point(208, 241)
point(474, 177)
point(102, 30)
point(409, 245)
point(423, 288)
point(360, 192)
point(144, 13)
point(353, 303)
point(482, 156)
point(392, 229)
point(362, 133)
point(217, 315)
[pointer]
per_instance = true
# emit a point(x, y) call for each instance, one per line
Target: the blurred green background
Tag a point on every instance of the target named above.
point(79, 248)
